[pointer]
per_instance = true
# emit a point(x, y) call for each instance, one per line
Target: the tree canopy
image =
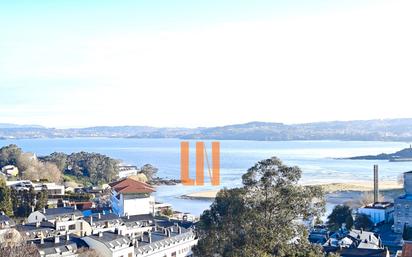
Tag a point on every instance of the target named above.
point(92, 168)
point(262, 218)
point(340, 214)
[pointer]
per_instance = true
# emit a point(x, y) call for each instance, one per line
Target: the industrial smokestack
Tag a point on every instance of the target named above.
point(375, 183)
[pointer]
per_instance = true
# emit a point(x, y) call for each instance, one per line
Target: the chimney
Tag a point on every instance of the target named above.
point(41, 240)
point(67, 236)
point(37, 224)
point(75, 206)
point(149, 238)
point(179, 230)
point(100, 233)
point(44, 210)
point(32, 208)
point(128, 216)
point(91, 220)
point(99, 215)
point(375, 184)
point(56, 239)
point(23, 223)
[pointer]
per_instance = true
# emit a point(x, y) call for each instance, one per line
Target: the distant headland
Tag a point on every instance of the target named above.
point(404, 155)
point(358, 130)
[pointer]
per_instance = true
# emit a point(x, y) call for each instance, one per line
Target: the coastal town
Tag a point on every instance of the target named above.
point(122, 218)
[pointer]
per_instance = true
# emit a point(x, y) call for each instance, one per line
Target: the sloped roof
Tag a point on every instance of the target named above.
point(407, 249)
point(130, 186)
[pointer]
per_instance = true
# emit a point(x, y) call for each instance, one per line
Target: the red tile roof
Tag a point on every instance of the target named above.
point(407, 249)
point(130, 186)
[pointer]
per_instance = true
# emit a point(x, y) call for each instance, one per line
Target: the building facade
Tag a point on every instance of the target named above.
point(403, 205)
point(131, 197)
point(379, 212)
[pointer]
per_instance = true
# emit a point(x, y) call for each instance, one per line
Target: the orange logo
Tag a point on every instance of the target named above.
point(201, 153)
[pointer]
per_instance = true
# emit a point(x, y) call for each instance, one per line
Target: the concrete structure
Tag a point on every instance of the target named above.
point(378, 212)
point(403, 205)
point(131, 197)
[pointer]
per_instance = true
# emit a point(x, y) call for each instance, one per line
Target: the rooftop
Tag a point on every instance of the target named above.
point(379, 205)
point(111, 239)
point(61, 211)
point(49, 246)
point(5, 220)
point(130, 186)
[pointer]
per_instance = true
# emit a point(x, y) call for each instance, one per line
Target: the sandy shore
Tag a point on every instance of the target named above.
point(333, 190)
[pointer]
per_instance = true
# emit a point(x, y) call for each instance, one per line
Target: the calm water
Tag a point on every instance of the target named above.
point(315, 158)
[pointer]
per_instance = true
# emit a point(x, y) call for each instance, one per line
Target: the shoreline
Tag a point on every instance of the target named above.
point(347, 190)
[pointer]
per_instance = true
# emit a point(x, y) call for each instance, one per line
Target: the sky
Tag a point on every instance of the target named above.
point(193, 63)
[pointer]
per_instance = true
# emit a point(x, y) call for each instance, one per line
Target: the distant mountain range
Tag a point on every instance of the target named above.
point(362, 130)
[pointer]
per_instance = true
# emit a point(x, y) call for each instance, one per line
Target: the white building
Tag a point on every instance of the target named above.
point(109, 244)
point(174, 242)
point(127, 170)
point(379, 212)
point(131, 197)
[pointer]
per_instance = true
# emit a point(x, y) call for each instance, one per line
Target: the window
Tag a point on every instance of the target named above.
point(173, 254)
point(72, 227)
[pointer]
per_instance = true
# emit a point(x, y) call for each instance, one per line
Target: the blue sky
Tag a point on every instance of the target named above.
point(202, 63)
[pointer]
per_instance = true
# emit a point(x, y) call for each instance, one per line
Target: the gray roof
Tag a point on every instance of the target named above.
point(143, 219)
point(160, 240)
point(6, 221)
point(46, 228)
point(108, 217)
point(111, 239)
point(50, 247)
point(61, 211)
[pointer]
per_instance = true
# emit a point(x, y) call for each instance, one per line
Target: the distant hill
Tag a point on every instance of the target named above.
point(402, 155)
point(362, 130)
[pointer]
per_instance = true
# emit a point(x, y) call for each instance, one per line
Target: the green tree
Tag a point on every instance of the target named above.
point(349, 222)
point(6, 204)
point(149, 171)
point(362, 221)
point(340, 214)
point(42, 198)
point(9, 155)
point(259, 219)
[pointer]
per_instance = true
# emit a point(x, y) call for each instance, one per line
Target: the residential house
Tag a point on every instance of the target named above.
point(131, 197)
point(56, 246)
point(174, 241)
point(66, 220)
point(103, 222)
point(7, 229)
point(362, 243)
point(135, 225)
point(110, 244)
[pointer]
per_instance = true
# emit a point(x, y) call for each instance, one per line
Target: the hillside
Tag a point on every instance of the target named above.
point(363, 130)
